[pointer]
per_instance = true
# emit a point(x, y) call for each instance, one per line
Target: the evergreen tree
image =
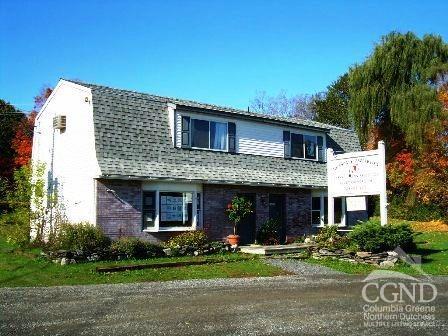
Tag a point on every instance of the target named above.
point(332, 106)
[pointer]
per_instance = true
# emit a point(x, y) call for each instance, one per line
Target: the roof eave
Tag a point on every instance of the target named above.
point(206, 181)
point(254, 116)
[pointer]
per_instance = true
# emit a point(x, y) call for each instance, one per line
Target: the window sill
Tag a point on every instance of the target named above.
point(305, 159)
point(324, 225)
point(170, 229)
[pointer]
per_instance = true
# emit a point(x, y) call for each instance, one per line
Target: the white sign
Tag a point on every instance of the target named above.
point(357, 174)
point(356, 203)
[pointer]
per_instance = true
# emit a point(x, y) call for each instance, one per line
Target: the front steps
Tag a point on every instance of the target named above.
point(274, 249)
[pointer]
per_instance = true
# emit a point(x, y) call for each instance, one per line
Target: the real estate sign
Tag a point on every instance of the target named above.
point(357, 174)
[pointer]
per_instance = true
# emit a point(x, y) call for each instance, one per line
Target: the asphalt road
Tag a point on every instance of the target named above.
point(288, 305)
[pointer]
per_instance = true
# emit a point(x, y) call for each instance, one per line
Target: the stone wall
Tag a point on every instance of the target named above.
point(216, 197)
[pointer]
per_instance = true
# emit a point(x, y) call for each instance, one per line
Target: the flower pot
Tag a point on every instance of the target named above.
point(233, 239)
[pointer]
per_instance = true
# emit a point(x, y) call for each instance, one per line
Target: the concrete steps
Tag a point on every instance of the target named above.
point(274, 249)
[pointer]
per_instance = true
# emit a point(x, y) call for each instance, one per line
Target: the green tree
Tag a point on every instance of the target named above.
point(332, 106)
point(10, 118)
point(395, 89)
point(26, 201)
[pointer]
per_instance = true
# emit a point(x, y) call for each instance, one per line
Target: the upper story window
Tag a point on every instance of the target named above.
point(303, 146)
point(209, 134)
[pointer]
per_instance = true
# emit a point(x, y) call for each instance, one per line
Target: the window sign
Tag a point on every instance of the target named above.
point(357, 203)
point(176, 209)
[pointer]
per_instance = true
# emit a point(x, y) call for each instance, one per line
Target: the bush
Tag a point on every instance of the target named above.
point(13, 230)
point(135, 248)
point(80, 237)
point(269, 233)
point(327, 233)
point(194, 239)
point(329, 237)
point(372, 237)
point(400, 209)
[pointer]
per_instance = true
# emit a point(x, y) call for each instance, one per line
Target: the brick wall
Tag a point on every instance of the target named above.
point(119, 210)
point(216, 197)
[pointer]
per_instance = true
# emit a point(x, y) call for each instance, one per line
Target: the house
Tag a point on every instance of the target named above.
point(147, 166)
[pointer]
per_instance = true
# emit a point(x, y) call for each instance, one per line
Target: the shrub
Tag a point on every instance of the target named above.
point(400, 209)
point(194, 239)
point(135, 248)
point(81, 237)
point(372, 237)
point(269, 233)
point(13, 230)
point(329, 237)
point(327, 234)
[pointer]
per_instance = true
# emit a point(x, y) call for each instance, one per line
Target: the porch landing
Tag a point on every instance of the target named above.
point(274, 249)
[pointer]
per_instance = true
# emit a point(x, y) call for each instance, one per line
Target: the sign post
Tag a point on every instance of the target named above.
point(357, 174)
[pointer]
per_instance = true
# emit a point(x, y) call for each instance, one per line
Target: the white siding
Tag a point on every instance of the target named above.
point(252, 137)
point(73, 151)
point(259, 139)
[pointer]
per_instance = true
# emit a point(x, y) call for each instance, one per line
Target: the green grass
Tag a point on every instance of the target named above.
point(25, 267)
point(431, 246)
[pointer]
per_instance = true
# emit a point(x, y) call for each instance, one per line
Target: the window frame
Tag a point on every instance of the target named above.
point(183, 195)
point(226, 149)
point(196, 222)
point(316, 150)
point(323, 195)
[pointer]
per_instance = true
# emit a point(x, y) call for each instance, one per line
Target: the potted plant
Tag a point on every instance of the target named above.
point(239, 208)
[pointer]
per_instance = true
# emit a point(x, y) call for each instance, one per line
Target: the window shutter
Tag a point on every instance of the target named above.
point(232, 137)
point(320, 149)
point(286, 144)
point(185, 138)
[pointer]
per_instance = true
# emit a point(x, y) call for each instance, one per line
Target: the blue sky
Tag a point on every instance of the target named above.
point(220, 52)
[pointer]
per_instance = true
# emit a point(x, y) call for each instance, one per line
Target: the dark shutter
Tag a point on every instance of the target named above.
point(232, 137)
point(185, 138)
point(149, 209)
point(320, 149)
point(286, 144)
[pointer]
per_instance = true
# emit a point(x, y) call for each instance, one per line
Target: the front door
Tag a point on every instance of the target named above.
point(277, 212)
point(246, 228)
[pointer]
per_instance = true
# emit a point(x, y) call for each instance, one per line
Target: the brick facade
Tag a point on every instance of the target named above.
point(119, 209)
point(216, 197)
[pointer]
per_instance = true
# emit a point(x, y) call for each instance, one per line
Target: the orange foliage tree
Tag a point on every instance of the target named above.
point(422, 175)
point(22, 142)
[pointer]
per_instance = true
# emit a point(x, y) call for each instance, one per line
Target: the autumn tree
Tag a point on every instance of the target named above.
point(22, 142)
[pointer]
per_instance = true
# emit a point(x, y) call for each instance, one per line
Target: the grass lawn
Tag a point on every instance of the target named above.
point(431, 246)
point(21, 267)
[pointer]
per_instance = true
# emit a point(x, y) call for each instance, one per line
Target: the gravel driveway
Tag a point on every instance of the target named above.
point(286, 305)
point(302, 268)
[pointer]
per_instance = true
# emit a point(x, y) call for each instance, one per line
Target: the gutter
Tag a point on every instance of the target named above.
point(202, 181)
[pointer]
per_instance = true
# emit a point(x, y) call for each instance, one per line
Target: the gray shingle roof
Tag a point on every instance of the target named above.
point(133, 140)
